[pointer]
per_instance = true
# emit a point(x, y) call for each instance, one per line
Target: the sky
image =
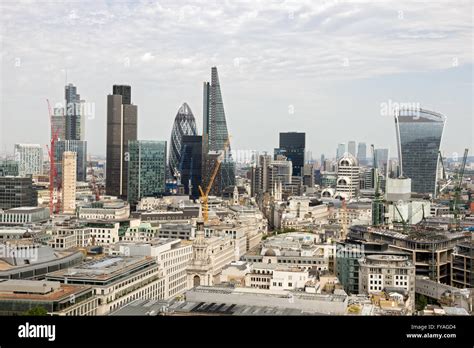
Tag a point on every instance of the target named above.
point(326, 68)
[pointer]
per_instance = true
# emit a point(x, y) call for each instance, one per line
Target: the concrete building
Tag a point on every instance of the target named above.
point(348, 172)
point(19, 296)
point(105, 210)
point(68, 189)
point(145, 232)
point(210, 255)
point(9, 167)
point(184, 231)
point(23, 215)
point(29, 158)
point(116, 280)
point(462, 265)
point(389, 273)
point(173, 257)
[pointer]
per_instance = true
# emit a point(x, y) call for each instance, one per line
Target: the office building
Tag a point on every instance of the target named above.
point(9, 167)
point(68, 187)
point(362, 153)
point(191, 167)
point(351, 148)
point(29, 158)
point(18, 296)
point(77, 146)
point(184, 124)
point(419, 134)
point(146, 169)
point(24, 215)
point(292, 145)
point(74, 116)
point(16, 191)
point(121, 128)
point(462, 265)
point(215, 137)
point(341, 150)
point(348, 176)
point(381, 159)
point(116, 280)
point(58, 120)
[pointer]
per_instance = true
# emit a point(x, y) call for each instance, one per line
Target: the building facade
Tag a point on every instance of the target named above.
point(419, 134)
point(121, 128)
point(68, 189)
point(146, 169)
point(29, 158)
point(17, 192)
point(292, 145)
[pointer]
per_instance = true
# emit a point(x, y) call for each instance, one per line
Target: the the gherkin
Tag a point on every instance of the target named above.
point(184, 124)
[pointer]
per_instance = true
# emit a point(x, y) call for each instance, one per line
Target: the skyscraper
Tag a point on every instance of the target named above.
point(215, 136)
point(121, 128)
point(68, 190)
point(419, 134)
point(146, 169)
point(341, 150)
point(293, 146)
point(191, 169)
point(29, 158)
point(184, 124)
point(77, 146)
point(74, 121)
point(351, 147)
point(381, 157)
point(362, 153)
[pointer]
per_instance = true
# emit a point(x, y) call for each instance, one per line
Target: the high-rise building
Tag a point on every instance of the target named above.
point(58, 121)
point(77, 146)
point(146, 169)
point(362, 153)
point(17, 191)
point(68, 189)
point(9, 167)
point(184, 124)
point(381, 157)
point(292, 145)
point(74, 117)
point(29, 158)
point(419, 135)
point(348, 176)
point(215, 137)
point(121, 128)
point(191, 168)
point(341, 150)
point(351, 147)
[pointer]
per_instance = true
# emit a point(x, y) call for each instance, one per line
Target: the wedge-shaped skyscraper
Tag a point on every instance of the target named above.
point(419, 134)
point(215, 136)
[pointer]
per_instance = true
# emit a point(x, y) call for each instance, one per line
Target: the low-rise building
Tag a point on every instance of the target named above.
point(19, 296)
point(24, 215)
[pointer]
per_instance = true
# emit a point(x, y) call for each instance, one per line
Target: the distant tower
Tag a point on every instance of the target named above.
point(68, 202)
point(292, 145)
point(184, 124)
point(236, 195)
point(351, 147)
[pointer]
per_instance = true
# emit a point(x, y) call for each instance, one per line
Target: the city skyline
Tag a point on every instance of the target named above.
point(354, 87)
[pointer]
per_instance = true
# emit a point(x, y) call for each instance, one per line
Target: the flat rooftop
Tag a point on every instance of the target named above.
point(61, 291)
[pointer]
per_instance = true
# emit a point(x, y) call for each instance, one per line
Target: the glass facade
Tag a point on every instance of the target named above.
point(146, 169)
point(292, 145)
point(215, 135)
point(191, 155)
point(77, 146)
point(419, 137)
point(184, 124)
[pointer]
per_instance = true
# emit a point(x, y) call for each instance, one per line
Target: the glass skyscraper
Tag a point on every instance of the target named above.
point(77, 146)
point(146, 169)
point(215, 136)
point(419, 134)
point(184, 124)
point(191, 157)
point(292, 145)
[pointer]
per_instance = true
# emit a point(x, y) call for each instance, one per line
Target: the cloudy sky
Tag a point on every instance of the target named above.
point(323, 67)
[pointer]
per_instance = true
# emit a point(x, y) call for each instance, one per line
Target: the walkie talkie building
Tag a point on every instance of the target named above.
point(419, 134)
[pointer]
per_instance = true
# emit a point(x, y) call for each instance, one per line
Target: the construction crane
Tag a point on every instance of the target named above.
point(53, 173)
point(458, 187)
point(205, 194)
point(409, 217)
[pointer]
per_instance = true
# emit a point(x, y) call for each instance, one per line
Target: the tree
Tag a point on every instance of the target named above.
point(37, 311)
point(421, 302)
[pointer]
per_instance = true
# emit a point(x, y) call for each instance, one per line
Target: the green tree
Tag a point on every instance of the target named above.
point(37, 311)
point(421, 302)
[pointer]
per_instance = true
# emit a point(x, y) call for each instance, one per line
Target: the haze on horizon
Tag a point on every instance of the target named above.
point(325, 68)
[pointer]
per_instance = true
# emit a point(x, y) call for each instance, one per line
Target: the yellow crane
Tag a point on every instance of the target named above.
point(205, 194)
